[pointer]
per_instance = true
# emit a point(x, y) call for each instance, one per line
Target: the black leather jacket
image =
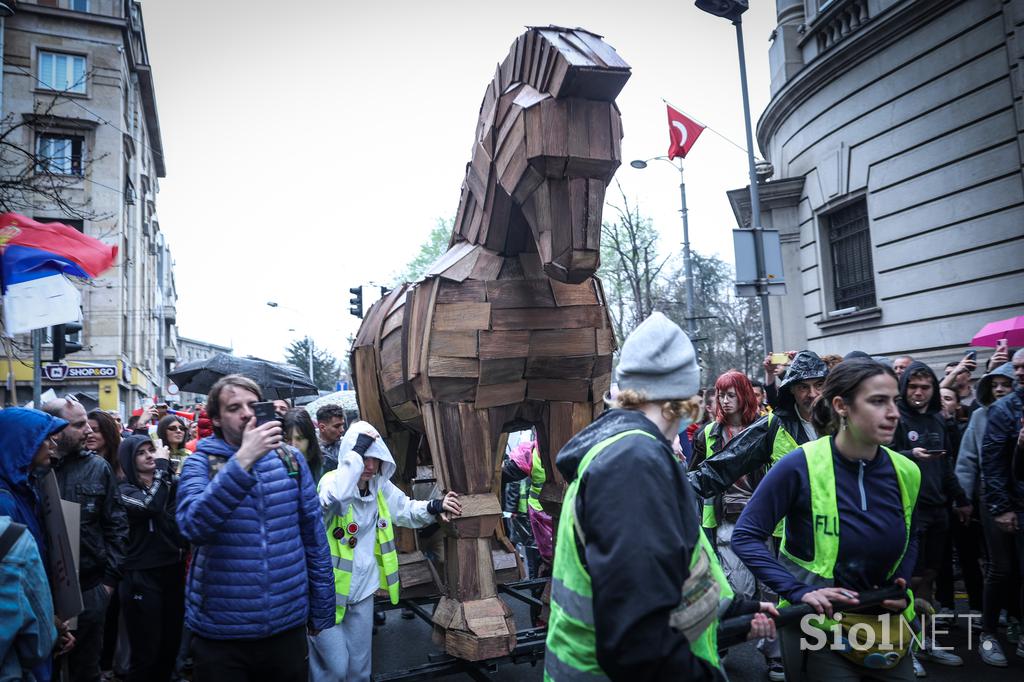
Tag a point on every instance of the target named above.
point(87, 479)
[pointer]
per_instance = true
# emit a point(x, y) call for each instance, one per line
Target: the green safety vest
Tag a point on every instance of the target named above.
point(781, 446)
point(537, 478)
point(822, 476)
point(524, 495)
point(571, 642)
point(342, 555)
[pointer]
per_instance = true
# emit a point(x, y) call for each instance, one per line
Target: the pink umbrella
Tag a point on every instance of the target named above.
point(1012, 330)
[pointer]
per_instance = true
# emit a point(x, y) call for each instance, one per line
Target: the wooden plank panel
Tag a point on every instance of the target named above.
point(394, 319)
point(454, 344)
point(504, 344)
point(406, 411)
point(461, 268)
point(520, 293)
point(368, 395)
point(461, 316)
point(532, 269)
point(560, 367)
point(571, 317)
point(500, 394)
point(461, 292)
point(558, 389)
point(573, 294)
point(453, 367)
point(488, 265)
point(453, 389)
point(602, 384)
point(602, 365)
point(501, 371)
point(432, 427)
point(605, 341)
point(562, 343)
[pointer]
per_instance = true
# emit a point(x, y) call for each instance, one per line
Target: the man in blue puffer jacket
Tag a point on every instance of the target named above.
point(261, 574)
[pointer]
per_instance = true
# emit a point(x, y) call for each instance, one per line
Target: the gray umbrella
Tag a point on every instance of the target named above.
point(347, 399)
point(276, 380)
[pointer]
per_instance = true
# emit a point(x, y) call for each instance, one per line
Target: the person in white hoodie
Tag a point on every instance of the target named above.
point(361, 507)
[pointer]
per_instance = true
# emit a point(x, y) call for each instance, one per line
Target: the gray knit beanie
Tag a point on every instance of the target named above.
point(658, 361)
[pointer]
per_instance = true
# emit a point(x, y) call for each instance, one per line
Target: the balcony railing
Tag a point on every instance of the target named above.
point(838, 20)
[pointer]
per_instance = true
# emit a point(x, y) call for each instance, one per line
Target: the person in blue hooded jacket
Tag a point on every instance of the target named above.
point(26, 446)
point(261, 574)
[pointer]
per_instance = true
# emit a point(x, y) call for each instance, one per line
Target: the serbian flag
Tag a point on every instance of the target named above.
point(682, 131)
point(36, 260)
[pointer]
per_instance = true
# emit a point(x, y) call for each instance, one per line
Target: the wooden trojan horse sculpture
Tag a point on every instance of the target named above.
point(508, 328)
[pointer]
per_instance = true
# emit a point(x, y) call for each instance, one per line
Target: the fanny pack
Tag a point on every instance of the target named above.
point(698, 606)
point(880, 642)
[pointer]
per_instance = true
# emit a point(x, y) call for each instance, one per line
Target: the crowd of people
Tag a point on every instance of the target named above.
point(829, 479)
point(216, 547)
point(218, 544)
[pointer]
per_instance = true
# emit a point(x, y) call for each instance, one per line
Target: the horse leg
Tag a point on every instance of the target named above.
point(470, 621)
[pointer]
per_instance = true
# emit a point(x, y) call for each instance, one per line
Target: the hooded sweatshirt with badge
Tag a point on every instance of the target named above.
point(928, 430)
point(153, 539)
point(340, 490)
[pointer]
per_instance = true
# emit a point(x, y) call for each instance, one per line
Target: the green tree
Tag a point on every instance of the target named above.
point(326, 368)
point(431, 249)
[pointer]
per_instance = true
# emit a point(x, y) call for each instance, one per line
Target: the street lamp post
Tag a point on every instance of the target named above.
point(691, 322)
point(733, 11)
point(309, 342)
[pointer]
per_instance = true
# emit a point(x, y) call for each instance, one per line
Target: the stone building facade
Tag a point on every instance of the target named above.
point(895, 134)
point(78, 72)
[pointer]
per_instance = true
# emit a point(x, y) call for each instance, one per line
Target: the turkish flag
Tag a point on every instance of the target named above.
point(682, 132)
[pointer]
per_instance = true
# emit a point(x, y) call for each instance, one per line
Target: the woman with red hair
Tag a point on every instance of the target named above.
point(736, 408)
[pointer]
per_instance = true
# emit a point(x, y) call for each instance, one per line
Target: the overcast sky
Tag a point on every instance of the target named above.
point(312, 145)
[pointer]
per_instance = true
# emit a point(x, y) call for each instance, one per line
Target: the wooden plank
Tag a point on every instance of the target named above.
point(406, 411)
point(418, 302)
point(501, 371)
point(461, 269)
point(558, 389)
point(488, 265)
point(560, 367)
point(602, 365)
point(605, 340)
point(449, 258)
point(570, 317)
point(432, 427)
point(461, 292)
point(453, 389)
point(495, 395)
point(601, 385)
point(368, 395)
point(461, 316)
point(562, 343)
point(532, 268)
point(394, 319)
point(573, 294)
point(504, 344)
point(454, 344)
point(520, 293)
point(439, 366)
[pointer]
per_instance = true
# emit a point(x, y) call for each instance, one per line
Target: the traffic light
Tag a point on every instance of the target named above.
point(64, 342)
point(356, 302)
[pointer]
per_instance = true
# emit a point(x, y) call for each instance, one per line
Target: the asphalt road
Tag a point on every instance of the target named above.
point(404, 644)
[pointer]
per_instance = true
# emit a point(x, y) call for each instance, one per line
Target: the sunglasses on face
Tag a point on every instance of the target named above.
point(175, 428)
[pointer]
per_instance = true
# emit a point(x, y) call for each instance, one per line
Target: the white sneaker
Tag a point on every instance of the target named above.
point(919, 670)
point(991, 653)
point(939, 656)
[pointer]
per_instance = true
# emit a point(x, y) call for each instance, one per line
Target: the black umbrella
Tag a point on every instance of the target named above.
point(276, 380)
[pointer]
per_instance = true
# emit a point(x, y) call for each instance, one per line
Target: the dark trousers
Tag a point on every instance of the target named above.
point(970, 549)
point(1002, 572)
point(84, 659)
point(283, 657)
point(154, 608)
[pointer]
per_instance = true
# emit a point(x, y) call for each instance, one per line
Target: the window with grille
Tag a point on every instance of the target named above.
point(63, 72)
point(849, 239)
point(59, 154)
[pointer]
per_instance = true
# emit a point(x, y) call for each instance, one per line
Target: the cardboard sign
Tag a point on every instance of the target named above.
point(63, 553)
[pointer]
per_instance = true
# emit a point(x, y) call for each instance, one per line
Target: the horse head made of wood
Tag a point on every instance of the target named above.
point(547, 144)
